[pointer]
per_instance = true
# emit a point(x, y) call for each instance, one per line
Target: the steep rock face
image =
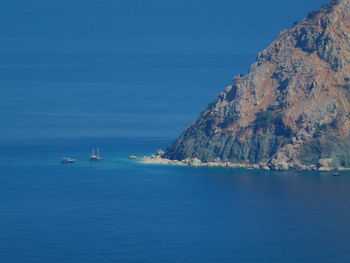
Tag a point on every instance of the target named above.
point(293, 107)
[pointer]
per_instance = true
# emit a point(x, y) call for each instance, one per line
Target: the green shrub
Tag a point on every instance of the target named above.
point(269, 119)
point(264, 118)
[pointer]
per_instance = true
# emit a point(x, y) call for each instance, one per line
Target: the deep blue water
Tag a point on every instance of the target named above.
point(128, 77)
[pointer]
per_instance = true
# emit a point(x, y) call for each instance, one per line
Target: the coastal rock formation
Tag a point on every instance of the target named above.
point(292, 109)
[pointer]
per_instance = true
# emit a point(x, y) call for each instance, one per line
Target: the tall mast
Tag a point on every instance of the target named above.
point(93, 151)
point(98, 152)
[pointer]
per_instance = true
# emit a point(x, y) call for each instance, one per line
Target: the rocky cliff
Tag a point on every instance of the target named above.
point(292, 109)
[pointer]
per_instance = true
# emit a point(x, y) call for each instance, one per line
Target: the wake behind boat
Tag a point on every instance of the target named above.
point(95, 157)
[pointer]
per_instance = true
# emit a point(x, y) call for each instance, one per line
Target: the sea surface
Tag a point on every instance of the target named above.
point(128, 77)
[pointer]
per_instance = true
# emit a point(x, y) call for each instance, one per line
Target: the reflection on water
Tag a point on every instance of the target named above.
point(119, 210)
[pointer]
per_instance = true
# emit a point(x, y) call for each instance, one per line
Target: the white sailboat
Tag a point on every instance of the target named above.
point(95, 157)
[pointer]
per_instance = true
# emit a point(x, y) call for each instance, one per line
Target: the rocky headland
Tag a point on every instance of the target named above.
point(291, 110)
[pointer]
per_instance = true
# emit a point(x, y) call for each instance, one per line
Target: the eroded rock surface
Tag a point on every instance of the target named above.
point(292, 110)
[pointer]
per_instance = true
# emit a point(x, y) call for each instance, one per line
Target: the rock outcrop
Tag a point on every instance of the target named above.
point(292, 109)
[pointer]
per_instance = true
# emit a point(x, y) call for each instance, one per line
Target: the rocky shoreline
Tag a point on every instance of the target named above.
point(290, 111)
point(195, 162)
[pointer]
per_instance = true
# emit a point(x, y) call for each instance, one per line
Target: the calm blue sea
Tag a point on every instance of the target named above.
point(128, 77)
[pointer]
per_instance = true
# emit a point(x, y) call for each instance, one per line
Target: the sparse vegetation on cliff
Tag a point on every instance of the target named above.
point(266, 118)
point(304, 77)
point(326, 8)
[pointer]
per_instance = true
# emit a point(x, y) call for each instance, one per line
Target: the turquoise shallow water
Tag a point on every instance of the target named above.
point(128, 77)
point(121, 211)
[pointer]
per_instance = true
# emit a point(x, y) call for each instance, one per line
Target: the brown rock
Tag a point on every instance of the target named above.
point(291, 109)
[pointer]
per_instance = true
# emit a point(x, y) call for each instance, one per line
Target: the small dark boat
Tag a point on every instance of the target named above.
point(67, 160)
point(336, 174)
